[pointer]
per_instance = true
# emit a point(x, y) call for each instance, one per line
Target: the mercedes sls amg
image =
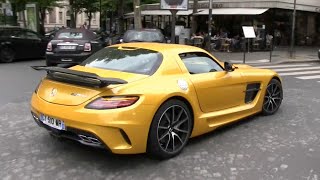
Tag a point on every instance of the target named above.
point(150, 97)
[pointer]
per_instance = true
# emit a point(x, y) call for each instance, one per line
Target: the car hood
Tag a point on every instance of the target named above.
point(72, 95)
point(242, 66)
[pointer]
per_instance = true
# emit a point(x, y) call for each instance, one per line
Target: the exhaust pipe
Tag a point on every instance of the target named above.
point(88, 140)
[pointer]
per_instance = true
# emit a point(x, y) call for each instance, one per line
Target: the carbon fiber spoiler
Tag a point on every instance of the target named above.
point(78, 77)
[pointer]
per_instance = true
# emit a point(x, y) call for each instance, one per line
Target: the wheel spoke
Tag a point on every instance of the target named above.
point(181, 122)
point(271, 105)
point(172, 120)
point(178, 117)
point(180, 130)
point(173, 146)
point(276, 94)
point(163, 127)
point(275, 90)
point(175, 134)
point(266, 102)
point(167, 117)
point(269, 102)
point(274, 102)
point(268, 91)
point(277, 98)
point(167, 143)
point(163, 136)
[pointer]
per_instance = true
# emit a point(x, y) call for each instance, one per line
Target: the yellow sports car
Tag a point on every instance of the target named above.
point(150, 97)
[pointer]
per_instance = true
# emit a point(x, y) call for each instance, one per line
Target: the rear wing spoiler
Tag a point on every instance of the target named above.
point(78, 77)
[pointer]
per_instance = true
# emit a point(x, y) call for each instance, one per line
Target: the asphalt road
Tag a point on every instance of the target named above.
point(283, 146)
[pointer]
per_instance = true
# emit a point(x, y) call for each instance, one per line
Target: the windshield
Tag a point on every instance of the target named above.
point(125, 59)
point(143, 36)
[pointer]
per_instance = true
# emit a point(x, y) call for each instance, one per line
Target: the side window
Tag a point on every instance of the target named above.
point(15, 34)
point(31, 35)
point(198, 62)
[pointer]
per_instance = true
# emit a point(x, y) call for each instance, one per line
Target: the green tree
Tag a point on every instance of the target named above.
point(88, 7)
point(45, 5)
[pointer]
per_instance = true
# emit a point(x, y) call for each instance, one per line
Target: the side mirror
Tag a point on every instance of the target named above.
point(228, 67)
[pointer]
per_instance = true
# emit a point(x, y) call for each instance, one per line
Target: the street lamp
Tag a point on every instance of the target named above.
point(100, 19)
point(292, 31)
point(209, 25)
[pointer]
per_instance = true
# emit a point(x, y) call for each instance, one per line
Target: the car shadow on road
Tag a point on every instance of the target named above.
point(102, 157)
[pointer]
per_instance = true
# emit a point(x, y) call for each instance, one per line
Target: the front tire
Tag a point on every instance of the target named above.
point(273, 97)
point(7, 55)
point(170, 130)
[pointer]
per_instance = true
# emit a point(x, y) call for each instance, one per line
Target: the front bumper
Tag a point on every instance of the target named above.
point(67, 58)
point(122, 131)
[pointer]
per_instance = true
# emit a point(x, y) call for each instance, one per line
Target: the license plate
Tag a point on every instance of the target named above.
point(67, 47)
point(66, 59)
point(52, 122)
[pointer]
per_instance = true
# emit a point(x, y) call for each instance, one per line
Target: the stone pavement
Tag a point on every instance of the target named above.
point(279, 55)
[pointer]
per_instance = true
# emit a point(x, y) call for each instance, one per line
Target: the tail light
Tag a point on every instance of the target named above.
point(87, 47)
point(112, 102)
point(49, 46)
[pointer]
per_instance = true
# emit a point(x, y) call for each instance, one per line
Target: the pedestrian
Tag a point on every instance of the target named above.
point(84, 26)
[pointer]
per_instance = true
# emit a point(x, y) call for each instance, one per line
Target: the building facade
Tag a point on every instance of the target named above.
point(60, 16)
point(270, 16)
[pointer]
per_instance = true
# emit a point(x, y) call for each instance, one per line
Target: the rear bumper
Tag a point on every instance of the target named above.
point(67, 58)
point(122, 131)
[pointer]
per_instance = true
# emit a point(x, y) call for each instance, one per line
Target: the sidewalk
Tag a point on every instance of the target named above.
point(279, 55)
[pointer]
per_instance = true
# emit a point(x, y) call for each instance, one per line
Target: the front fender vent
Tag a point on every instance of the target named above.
point(251, 92)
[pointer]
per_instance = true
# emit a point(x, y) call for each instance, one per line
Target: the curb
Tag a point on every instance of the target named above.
point(299, 61)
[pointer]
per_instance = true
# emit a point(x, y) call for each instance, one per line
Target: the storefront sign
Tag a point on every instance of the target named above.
point(206, 6)
point(174, 4)
point(248, 32)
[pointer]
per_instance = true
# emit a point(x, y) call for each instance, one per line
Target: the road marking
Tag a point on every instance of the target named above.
point(283, 66)
point(309, 77)
point(295, 69)
point(298, 73)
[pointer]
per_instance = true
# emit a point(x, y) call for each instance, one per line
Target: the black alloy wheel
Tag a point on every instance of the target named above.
point(6, 55)
point(272, 98)
point(170, 130)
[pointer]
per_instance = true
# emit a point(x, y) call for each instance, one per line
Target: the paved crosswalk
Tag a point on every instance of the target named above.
point(304, 71)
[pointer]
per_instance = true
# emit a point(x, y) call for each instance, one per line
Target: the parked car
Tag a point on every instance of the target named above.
point(150, 97)
point(50, 34)
point(72, 46)
point(20, 43)
point(143, 35)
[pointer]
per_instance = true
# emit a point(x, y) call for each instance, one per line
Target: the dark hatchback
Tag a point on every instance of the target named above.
point(72, 46)
point(20, 43)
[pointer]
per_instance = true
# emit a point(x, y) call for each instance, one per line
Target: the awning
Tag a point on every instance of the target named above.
point(159, 12)
point(232, 11)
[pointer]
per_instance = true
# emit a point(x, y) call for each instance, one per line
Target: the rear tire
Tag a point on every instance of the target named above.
point(50, 63)
point(273, 97)
point(170, 130)
point(7, 55)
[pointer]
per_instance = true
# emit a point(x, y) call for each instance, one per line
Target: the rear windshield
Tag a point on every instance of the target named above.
point(125, 59)
point(70, 35)
point(77, 34)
